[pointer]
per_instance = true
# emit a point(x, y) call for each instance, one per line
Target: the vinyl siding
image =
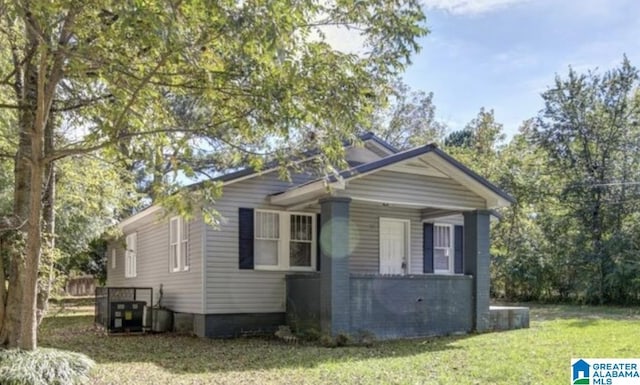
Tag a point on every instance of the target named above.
point(421, 190)
point(365, 236)
point(229, 289)
point(182, 290)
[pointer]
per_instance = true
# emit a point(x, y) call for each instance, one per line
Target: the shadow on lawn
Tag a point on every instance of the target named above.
point(584, 323)
point(187, 354)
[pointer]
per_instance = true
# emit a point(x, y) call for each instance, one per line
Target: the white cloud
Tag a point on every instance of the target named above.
point(469, 7)
point(345, 40)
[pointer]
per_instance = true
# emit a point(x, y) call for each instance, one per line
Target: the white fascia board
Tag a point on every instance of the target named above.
point(305, 193)
point(142, 214)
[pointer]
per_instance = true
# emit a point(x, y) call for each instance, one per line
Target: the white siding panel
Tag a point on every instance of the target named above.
point(423, 190)
point(229, 289)
point(182, 290)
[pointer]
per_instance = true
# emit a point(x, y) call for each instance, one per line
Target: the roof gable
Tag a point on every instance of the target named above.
point(436, 161)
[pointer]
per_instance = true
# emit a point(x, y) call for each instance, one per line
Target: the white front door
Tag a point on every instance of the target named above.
point(394, 242)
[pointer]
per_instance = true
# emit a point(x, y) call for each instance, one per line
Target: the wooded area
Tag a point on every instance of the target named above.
point(574, 233)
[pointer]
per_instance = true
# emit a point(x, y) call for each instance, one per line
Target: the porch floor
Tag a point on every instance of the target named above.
point(508, 317)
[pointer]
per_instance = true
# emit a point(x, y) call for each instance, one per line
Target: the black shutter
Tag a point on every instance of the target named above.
point(427, 248)
point(458, 266)
point(245, 239)
point(318, 251)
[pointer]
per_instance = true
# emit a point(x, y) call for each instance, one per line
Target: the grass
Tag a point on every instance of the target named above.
point(540, 354)
point(43, 367)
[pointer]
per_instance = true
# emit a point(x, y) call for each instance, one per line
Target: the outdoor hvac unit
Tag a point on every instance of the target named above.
point(126, 316)
point(122, 309)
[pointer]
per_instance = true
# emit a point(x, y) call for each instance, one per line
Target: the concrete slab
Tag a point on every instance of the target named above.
point(508, 317)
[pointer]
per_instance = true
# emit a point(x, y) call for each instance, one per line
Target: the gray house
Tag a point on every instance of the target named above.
point(397, 246)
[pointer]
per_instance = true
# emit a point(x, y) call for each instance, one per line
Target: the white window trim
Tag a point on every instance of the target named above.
point(180, 260)
point(284, 220)
point(184, 240)
point(451, 249)
point(407, 230)
point(113, 258)
point(131, 255)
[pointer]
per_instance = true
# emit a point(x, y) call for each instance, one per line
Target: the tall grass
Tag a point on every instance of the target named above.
point(43, 367)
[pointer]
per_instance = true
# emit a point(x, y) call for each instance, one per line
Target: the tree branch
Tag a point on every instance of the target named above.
point(81, 103)
point(143, 82)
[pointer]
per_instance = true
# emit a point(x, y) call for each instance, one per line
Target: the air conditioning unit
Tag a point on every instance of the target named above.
point(126, 316)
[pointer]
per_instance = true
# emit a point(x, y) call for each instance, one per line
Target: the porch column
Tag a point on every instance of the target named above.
point(334, 265)
point(476, 263)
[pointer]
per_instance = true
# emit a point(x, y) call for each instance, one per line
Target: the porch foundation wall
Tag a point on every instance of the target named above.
point(236, 325)
point(303, 302)
point(411, 306)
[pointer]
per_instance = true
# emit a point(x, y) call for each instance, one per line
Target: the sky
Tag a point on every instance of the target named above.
point(502, 54)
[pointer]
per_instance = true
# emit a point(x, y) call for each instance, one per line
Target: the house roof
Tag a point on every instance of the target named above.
point(467, 175)
point(371, 136)
point(250, 172)
point(270, 166)
point(359, 170)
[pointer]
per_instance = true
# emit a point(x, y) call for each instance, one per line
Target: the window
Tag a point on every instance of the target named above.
point(442, 249)
point(130, 255)
point(284, 241)
point(184, 244)
point(267, 238)
point(301, 241)
point(113, 258)
point(178, 244)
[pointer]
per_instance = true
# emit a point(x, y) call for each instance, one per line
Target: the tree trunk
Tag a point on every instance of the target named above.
point(12, 322)
point(48, 226)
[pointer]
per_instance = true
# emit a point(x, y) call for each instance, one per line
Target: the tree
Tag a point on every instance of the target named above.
point(589, 129)
point(478, 143)
point(408, 118)
point(105, 75)
point(527, 255)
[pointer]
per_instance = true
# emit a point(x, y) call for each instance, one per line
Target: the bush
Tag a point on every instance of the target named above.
point(340, 340)
point(43, 367)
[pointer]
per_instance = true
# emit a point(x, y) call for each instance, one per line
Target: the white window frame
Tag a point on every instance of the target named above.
point(449, 250)
point(130, 256)
point(277, 240)
point(284, 241)
point(184, 244)
point(178, 245)
point(113, 259)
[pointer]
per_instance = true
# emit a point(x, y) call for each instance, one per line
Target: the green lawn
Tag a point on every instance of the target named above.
point(539, 355)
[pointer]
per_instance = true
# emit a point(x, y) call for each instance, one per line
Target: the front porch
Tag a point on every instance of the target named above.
point(350, 296)
point(403, 248)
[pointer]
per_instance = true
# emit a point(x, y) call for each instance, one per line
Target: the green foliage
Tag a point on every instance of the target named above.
point(572, 235)
point(589, 130)
point(44, 367)
point(408, 118)
point(478, 144)
point(92, 261)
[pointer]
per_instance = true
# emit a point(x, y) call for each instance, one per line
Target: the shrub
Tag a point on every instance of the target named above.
point(43, 367)
point(340, 340)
